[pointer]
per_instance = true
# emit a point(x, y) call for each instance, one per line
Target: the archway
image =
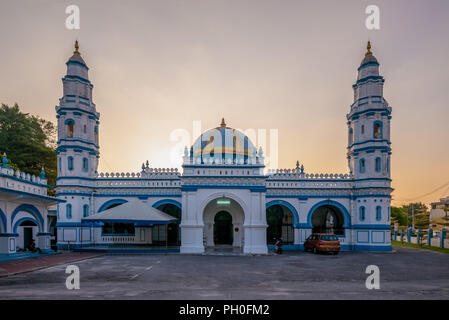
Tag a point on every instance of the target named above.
point(223, 222)
point(223, 228)
point(3, 223)
point(27, 229)
point(24, 209)
point(111, 204)
point(173, 231)
point(328, 219)
point(280, 220)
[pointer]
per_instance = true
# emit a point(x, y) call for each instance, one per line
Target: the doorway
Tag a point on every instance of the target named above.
point(223, 233)
point(27, 236)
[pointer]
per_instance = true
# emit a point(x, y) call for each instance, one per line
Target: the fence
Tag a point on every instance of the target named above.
point(424, 237)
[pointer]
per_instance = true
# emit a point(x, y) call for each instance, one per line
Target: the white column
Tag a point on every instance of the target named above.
point(191, 225)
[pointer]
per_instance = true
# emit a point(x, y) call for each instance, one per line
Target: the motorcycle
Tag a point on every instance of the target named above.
point(278, 246)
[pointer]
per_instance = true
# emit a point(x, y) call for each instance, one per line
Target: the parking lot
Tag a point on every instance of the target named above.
point(405, 274)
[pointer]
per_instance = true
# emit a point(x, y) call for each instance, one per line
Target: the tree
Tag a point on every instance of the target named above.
point(422, 219)
point(445, 208)
point(29, 142)
point(399, 215)
point(412, 209)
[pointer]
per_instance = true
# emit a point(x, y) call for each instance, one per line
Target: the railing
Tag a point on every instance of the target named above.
point(117, 239)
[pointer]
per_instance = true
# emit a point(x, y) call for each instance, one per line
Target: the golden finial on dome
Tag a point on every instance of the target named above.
point(368, 50)
point(76, 52)
point(223, 123)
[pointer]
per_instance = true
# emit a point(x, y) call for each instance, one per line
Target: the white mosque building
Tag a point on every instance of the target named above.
point(224, 195)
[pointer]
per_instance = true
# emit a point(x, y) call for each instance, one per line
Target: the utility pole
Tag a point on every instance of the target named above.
point(413, 217)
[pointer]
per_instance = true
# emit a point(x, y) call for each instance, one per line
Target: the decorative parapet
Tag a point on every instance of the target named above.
point(21, 181)
point(147, 173)
point(295, 174)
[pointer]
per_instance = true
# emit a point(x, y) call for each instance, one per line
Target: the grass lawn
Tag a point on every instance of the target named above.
point(417, 246)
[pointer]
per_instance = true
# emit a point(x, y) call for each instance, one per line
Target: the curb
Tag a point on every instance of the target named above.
point(45, 267)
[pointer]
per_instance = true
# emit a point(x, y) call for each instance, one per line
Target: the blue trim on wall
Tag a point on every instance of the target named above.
point(17, 224)
point(342, 208)
point(60, 111)
point(4, 223)
point(250, 188)
point(111, 202)
point(31, 210)
point(167, 201)
point(289, 206)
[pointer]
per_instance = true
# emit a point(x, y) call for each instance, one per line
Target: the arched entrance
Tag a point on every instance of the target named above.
point(280, 222)
point(223, 233)
point(223, 223)
point(328, 219)
point(27, 229)
point(173, 231)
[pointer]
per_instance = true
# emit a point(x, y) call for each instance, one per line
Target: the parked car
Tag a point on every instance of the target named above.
point(322, 242)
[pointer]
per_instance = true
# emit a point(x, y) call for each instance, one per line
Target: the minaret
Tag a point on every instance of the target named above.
point(369, 152)
point(78, 148)
point(369, 124)
point(78, 121)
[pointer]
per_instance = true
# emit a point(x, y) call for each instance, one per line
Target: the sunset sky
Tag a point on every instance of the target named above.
point(289, 65)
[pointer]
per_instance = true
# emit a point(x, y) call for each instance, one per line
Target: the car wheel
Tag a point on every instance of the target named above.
point(335, 252)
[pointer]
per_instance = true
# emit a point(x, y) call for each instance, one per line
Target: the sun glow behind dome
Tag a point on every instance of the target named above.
point(223, 143)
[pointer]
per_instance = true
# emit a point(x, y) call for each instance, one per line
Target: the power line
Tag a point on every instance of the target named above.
point(427, 194)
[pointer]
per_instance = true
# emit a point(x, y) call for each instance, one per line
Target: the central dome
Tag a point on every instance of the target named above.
point(223, 145)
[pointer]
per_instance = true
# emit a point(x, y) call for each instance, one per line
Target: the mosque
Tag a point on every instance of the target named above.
point(224, 195)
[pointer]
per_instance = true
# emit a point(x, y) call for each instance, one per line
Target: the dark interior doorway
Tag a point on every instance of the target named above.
point(27, 236)
point(173, 230)
point(223, 228)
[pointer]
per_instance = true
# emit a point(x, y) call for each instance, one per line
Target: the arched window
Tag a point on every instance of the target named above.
point(85, 210)
point(362, 214)
point(69, 211)
point(70, 127)
point(389, 212)
point(378, 213)
point(85, 164)
point(70, 163)
point(351, 136)
point(60, 164)
point(377, 130)
point(96, 134)
point(378, 164)
point(388, 164)
point(362, 166)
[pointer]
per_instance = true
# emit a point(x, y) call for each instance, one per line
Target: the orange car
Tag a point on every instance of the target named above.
point(322, 242)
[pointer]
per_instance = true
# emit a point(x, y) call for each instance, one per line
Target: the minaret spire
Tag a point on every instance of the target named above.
point(368, 50)
point(76, 52)
point(223, 123)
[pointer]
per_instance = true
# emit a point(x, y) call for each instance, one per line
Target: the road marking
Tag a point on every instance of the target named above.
point(134, 276)
point(148, 268)
point(158, 261)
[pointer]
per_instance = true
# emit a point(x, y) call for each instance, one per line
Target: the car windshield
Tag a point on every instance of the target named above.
point(329, 238)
